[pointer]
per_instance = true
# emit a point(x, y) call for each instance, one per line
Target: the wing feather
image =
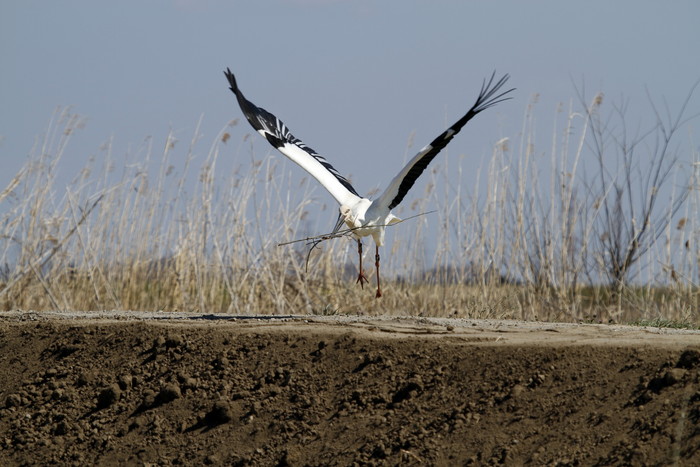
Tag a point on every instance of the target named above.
point(279, 136)
point(402, 183)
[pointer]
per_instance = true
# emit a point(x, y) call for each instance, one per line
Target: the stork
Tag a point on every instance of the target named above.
point(364, 217)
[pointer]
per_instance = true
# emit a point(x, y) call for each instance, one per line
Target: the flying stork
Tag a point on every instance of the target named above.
point(363, 216)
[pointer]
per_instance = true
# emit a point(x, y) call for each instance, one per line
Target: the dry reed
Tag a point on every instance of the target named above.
point(518, 244)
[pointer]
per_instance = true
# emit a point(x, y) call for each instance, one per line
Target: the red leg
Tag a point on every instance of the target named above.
point(376, 263)
point(361, 276)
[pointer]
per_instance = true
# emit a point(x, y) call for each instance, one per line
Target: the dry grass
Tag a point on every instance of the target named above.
point(524, 242)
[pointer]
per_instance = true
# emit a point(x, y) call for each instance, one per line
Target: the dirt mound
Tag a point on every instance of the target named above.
point(296, 392)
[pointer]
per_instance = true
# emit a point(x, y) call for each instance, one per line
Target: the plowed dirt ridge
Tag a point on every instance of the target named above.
point(174, 389)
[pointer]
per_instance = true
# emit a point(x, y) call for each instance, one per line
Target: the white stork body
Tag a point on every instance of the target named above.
point(363, 216)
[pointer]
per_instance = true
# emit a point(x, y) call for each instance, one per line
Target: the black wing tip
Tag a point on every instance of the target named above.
point(231, 80)
point(488, 97)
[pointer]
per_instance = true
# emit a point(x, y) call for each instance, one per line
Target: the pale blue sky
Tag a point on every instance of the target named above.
point(352, 79)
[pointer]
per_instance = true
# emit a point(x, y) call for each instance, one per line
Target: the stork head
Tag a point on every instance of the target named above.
point(347, 216)
point(343, 217)
point(345, 212)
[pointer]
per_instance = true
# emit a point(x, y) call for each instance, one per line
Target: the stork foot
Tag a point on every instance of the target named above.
point(362, 279)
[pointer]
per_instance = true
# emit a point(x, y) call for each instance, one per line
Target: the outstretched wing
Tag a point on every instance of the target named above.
point(403, 182)
point(278, 135)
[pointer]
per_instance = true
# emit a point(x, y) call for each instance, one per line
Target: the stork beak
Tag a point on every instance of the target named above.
point(339, 223)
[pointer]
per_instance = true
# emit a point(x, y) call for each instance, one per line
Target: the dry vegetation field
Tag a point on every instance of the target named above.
point(601, 226)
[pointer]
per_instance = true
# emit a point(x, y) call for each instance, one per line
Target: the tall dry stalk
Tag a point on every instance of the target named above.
point(188, 226)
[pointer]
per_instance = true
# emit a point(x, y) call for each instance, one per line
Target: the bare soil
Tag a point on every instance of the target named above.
point(174, 389)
